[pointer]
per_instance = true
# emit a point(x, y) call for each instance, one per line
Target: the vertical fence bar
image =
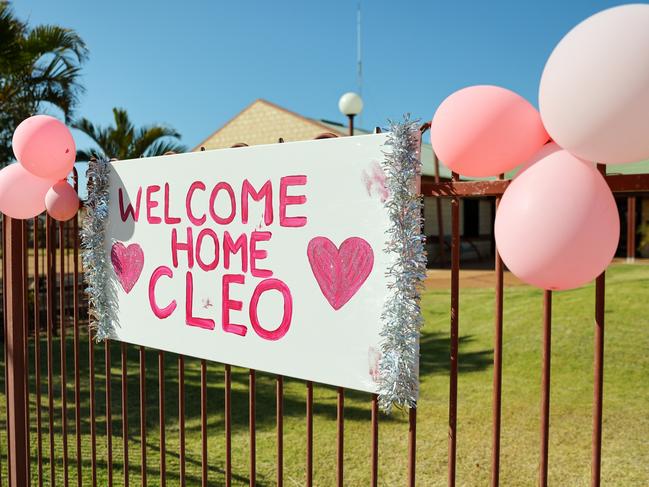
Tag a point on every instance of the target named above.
point(75, 321)
point(161, 409)
point(598, 384)
point(77, 368)
point(340, 436)
point(5, 344)
point(125, 412)
point(412, 446)
point(598, 360)
point(309, 434)
point(228, 426)
point(109, 415)
point(545, 386)
point(253, 428)
point(630, 228)
point(374, 478)
point(497, 377)
point(204, 423)
point(50, 325)
point(25, 311)
point(15, 358)
point(455, 315)
point(64, 399)
point(181, 418)
point(37, 356)
point(143, 471)
point(93, 416)
point(279, 409)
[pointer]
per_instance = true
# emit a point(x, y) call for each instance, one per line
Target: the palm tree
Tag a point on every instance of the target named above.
point(39, 68)
point(124, 141)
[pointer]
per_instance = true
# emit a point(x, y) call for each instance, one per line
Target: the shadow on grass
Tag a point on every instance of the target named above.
point(434, 360)
point(435, 352)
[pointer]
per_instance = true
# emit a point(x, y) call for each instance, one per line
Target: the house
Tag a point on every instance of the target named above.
point(263, 122)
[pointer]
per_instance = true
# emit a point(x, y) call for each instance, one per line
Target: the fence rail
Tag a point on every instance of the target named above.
point(111, 429)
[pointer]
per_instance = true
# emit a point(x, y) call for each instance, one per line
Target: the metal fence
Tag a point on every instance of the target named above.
point(59, 432)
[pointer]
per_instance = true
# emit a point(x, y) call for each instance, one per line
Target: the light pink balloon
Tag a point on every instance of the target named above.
point(22, 195)
point(485, 131)
point(557, 225)
point(594, 92)
point(62, 201)
point(45, 147)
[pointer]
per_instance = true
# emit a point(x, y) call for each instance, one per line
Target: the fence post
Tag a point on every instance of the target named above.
point(16, 383)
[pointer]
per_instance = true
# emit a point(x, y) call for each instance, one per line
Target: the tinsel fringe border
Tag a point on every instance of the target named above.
point(100, 289)
point(398, 383)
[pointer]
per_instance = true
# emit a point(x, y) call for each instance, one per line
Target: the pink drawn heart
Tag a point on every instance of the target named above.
point(340, 272)
point(127, 263)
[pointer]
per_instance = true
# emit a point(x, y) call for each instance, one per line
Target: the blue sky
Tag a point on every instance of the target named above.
point(194, 64)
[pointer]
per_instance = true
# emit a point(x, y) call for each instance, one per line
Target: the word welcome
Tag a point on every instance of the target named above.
point(198, 218)
point(198, 247)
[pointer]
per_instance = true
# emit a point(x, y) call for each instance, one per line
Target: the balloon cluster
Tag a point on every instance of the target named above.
point(45, 151)
point(557, 225)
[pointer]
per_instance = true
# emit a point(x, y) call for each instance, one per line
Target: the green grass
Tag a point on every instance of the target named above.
point(626, 402)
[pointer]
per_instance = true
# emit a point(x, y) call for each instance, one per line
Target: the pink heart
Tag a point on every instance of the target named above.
point(127, 263)
point(340, 272)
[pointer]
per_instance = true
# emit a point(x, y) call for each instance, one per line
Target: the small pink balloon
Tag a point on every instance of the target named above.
point(44, 146)
point(486, 130)
point(61, 201)
point(557, 225)
point(22, 195)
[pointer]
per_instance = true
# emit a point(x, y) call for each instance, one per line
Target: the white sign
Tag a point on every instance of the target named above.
point(267, 257)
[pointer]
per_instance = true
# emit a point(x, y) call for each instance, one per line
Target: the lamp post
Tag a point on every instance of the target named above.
point(350, 104)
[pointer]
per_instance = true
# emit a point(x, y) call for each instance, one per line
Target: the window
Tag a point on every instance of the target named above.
point(471, 217)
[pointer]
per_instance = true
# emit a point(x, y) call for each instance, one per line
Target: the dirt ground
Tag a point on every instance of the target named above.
point(484, 278)
point(441, 279)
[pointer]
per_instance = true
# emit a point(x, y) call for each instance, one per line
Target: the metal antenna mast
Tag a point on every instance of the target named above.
point(359, 61)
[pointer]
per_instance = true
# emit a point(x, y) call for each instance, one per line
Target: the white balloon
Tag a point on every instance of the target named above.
point(594, 92)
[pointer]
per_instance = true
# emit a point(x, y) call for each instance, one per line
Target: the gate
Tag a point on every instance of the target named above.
point(68, 424)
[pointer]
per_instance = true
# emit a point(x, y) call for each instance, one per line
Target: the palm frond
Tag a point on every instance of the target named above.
point(12, 32)
point(124, 141)
point(86, 126)
point(87, 154)
point(145, 137)
point(39, 66)
point(161, 147)
point(100, 136)
point(53, 39)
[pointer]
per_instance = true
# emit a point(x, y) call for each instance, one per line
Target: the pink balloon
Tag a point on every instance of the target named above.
point(45, 147)
point(22, 195)
point(542, 153)
point(557, 225)
point(62, 201)
point(594, 92)
point(485, 131)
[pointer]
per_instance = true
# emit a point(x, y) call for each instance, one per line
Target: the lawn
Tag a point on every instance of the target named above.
point(626, 402)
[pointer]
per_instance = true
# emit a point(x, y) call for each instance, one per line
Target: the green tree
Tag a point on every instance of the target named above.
point(39, 68)
point(125, 141)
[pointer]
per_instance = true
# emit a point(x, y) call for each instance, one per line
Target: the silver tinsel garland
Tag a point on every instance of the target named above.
point(97, 268)
point(398, 383)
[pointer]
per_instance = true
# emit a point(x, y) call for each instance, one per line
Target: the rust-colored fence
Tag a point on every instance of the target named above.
point(68, 424)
